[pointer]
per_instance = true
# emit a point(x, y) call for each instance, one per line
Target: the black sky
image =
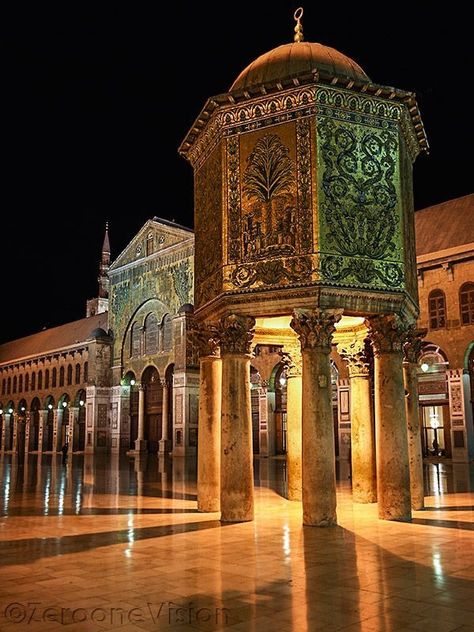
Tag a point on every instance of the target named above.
point(97, 98)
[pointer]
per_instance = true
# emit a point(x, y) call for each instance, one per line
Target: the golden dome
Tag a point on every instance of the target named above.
point(299, 58)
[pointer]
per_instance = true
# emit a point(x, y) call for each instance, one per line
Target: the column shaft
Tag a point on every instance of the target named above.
point(209, 434)
point(393, 476)
point(163, 444)
point(364, 482)
point(140, 443)
point(236, 449)
point(414, 436)
point(319, 472)
point(294, 404)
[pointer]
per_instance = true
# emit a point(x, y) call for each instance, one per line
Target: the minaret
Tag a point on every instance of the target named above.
point(101, 303)
point(104, 265)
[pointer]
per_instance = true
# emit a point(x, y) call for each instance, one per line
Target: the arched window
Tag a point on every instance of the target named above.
point(78, 373)
point(46, 378)
point(69, 374)
point(437, 309)
point(149, 244)
point(20, 384)
point(4, 386)
point(54, 378)
point(151, 334)
point(40, 380)
point(135, 341)
point(27, 382)
point(167, 333)
point(86, 371)
point(33, 381)
point(9, 386)
point(61, 376)
point(466, 302)
point(14, 383)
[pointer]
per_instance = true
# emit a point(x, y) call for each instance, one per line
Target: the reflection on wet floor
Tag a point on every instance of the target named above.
point(112, 535)
point(44, 484)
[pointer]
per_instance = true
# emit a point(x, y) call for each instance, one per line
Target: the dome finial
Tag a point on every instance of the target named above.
point(299, 37)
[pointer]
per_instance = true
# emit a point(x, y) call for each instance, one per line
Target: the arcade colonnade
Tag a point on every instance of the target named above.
point(386, 456)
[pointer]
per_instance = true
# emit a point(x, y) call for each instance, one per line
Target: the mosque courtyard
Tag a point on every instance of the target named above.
point(104, 544)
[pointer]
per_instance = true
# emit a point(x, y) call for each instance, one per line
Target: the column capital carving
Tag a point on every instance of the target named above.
point(315, 327)
point(353, 352)
point(291, 358)
point(387, 333)
point(413, 344)
point(206, 339)
point(235, 334)
point(164, 382)
point(141, 386)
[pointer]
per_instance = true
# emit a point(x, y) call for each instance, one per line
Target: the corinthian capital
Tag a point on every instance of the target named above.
point(413, 344)
point(206, 338)
point(354, 353)
point(291, 358)
point(315, 327)
point(387, 333)
point(235, 334)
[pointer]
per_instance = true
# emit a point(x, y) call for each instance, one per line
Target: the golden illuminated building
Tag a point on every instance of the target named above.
point(300, 332)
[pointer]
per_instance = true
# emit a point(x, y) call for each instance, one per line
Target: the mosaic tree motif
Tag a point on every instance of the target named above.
point(269, 175)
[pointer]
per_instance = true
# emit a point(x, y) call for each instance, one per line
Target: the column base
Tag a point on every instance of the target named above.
point(236, 519)
point(140, 446)
point(325, 522)
point(164, 446)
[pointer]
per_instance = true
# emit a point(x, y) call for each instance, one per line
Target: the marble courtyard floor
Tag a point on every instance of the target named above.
point(107, 544)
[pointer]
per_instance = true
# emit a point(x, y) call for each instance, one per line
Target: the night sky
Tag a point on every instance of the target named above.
point(96, 96)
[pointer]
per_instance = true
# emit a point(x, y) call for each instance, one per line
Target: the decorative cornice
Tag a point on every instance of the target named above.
point(248, 109)
point(315, 328)
point(235, 334)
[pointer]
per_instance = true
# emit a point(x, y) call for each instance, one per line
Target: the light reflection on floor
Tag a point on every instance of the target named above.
point(107, 543)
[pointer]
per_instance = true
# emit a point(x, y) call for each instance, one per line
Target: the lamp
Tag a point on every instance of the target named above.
point(434, 418)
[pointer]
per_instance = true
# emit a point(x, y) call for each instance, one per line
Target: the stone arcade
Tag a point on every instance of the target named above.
point(303, 181)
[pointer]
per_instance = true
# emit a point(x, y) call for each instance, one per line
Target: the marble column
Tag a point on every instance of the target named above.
point(140, 443)
point(14, 422)
point(235, 335)
point(43, 420)
point(163, 447)
point(292, 359)
point(28, 422)
point(315, 329)
point(364, 482)
point(73, 427)
point(209, 423)
point(57, 421)
point(387, 334)
point(412, 351)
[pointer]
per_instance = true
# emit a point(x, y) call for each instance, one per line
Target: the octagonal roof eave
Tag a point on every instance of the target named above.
point(369, 88)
